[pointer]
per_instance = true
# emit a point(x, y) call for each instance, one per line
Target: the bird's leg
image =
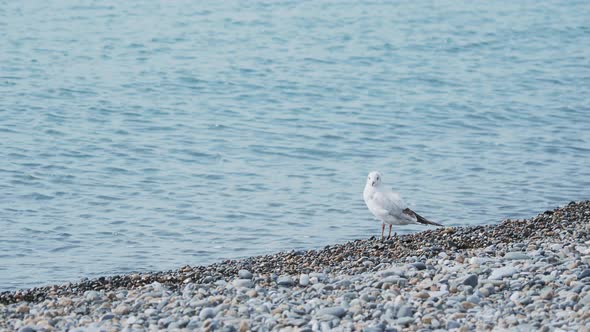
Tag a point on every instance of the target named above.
point(389, 236)
point(382, 230)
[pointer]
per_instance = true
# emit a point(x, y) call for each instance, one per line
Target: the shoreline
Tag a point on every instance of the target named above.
point(415, 259)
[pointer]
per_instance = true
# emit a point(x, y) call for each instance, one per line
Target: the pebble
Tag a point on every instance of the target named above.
point(107, 317)
point(193, 324)
point(92, 295)
point(247, 283)
point(22, 309)
point(471, 280)
point(244, 274)
point(584, 274)
point(451, 324)
point(121, 309)
point(484, 291)
point(468, 305)
point(405, 320)
point(419, 266)
point(422, 295)
point(546, 293)
point(244, 327)
point(405, 311)
point(334, 311)
point(474, 299)
point(304, 280)
point(516, 255)
point(207, 313)
point(27, 329)
point(318, 275)
point(285, 280)
point(502, 272)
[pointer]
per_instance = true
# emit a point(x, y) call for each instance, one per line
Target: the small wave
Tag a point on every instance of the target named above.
point(64, 248)
point(38, 197)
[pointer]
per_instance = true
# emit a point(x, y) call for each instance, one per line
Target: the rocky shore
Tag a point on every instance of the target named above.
point(531, 274)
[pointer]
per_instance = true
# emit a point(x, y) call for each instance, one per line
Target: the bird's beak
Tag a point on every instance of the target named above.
point(373, 184)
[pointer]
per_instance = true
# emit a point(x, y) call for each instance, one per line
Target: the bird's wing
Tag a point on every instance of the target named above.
point(390, 201)
point(419, 218)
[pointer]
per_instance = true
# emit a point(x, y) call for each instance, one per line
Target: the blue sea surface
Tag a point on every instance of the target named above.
point(147, 135)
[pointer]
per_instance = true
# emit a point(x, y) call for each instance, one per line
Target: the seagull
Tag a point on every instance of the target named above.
point(388, 206)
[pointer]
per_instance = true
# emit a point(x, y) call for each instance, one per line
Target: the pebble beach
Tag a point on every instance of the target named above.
point(524, 275)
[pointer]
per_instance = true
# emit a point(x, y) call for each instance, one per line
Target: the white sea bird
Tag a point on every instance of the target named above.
point(388, 206)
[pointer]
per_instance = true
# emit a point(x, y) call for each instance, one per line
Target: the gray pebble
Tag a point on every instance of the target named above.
point(546, 293)
point(584, 274)
point(484, 291)
point(373, 329)
point(334, 311)
point(516, 255)
point(91, 295)
point(326, 326)
point(471, 280)
point(474, 299)
point(318, 275)
point(285, 280)
point(207, 313)
point(396, 280)
point(405, 320)
point(121, 309)
point(228, 328)
point(419, 266)
point(107, 317)
point(405, 311)
point(247, 283)
point(245, 274)
point(27, 329)
point(502, 272)
point(304, 280)
point(193, 323)
point(451, 324)
point(392, 272)
point(297, 322)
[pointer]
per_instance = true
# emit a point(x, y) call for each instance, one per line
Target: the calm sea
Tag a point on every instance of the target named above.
point(146, 135)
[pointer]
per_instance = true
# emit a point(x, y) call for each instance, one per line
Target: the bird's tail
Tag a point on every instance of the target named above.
point(425, 221)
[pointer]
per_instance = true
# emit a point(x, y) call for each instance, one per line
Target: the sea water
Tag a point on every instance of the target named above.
point(146, 135)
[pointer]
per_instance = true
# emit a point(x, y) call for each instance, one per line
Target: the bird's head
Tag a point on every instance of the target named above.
point(374, 179)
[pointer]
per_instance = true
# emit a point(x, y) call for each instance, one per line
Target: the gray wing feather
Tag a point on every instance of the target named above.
point(419, 218)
